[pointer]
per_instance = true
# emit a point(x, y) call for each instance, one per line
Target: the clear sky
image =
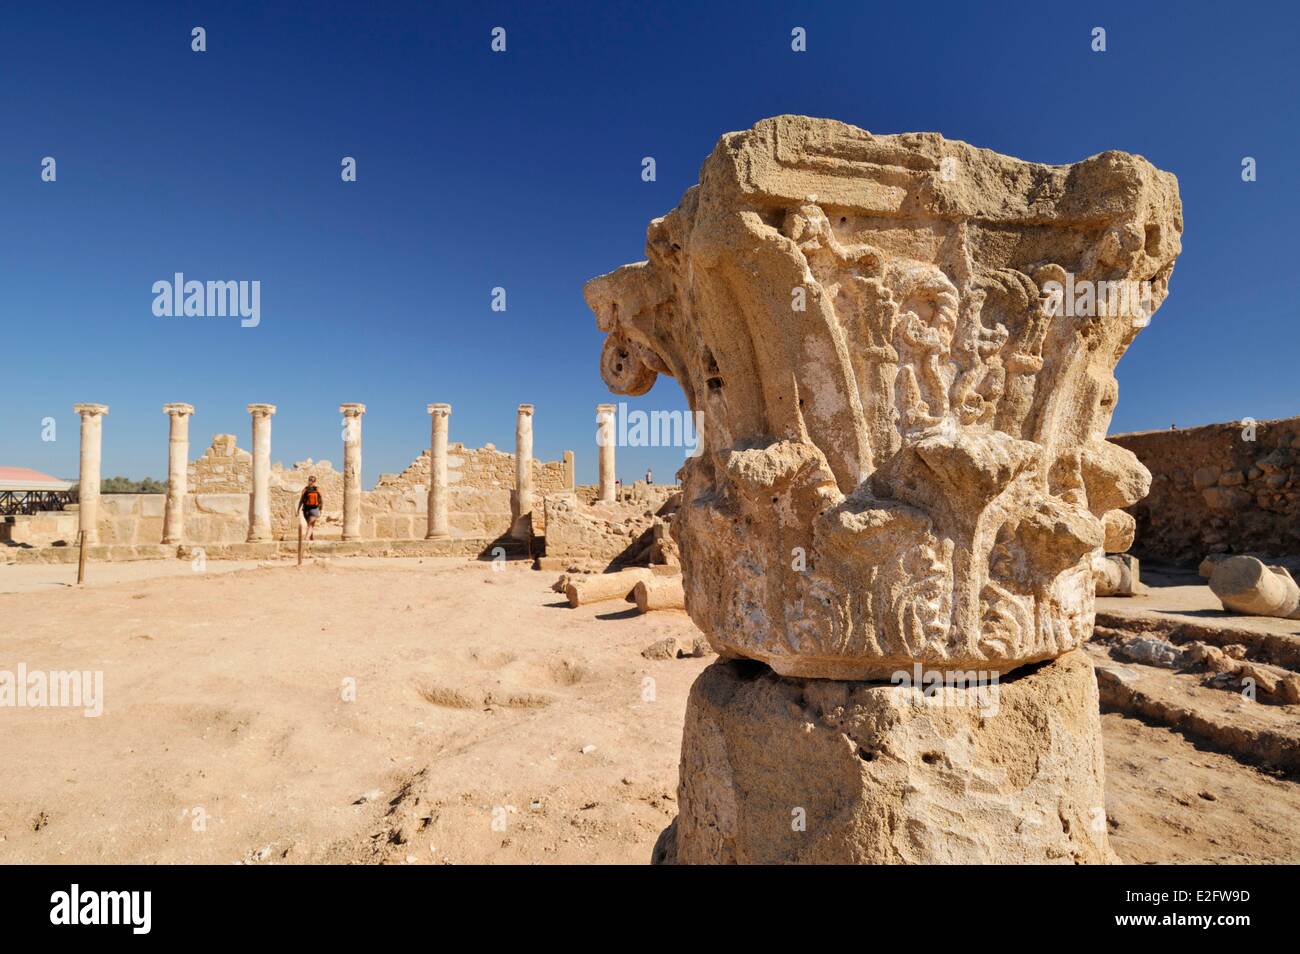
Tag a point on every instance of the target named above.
point(522, 170)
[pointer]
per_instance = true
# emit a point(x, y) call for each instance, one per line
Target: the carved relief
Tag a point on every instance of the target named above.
point(928, 429)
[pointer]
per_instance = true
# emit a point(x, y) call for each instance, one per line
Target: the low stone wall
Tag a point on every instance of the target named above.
point(480, 484)
point(137, 519)
point(128, 519)
point(47, 529)
point(1214, 490)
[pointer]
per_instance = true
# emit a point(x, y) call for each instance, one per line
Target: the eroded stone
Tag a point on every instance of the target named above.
point(904, 397)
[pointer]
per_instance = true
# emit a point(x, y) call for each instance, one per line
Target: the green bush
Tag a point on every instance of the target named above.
point(125, 485)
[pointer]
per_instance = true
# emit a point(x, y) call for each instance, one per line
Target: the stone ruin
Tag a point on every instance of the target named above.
point(1230, 488)
point(905, 474)
point(451, 499)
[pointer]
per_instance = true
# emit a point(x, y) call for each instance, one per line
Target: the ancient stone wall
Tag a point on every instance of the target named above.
point(621, 532)
point(481, 468)
point(1213, 490)
point(222, 469)
point(481, 485)
point(42, 529)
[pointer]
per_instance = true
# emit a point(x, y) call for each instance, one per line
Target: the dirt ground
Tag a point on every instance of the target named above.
point(421, 712)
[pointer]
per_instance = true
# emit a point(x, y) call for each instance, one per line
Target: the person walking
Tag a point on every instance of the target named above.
point(310, 504)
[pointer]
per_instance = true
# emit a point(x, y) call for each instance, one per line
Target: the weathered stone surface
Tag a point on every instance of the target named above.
point(1244, 584)
point(1230, 487)
point(92, 437)
point(659, 593)
point(599, 587)
point(618, 532)
point(904, 436)
point(1010, 774)
point(1117, 574)
point(1119, 528)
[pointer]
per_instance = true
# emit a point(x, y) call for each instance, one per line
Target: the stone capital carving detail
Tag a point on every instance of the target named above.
point(178, 409)
point(91, 410)
point(903, 349)
point(261, 410)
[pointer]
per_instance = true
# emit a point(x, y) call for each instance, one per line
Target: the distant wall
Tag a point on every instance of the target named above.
point(1214, 491)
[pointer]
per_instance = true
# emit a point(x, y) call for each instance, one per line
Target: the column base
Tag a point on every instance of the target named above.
point(437, 535)
point(813, 771)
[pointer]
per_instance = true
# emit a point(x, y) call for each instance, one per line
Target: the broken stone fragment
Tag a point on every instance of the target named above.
point(1120, 528)
point(599, 587)
point(1116, 574)
point(1246, 585)
point(659, 593)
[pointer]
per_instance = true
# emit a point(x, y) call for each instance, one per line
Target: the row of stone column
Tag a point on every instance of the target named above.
point(259, 522)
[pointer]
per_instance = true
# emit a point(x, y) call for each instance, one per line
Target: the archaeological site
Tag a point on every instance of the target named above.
point(918, 498)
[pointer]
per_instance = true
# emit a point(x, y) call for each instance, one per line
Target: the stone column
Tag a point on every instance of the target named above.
point(605, 442)
point(178, 462)
point(1245, 584)
point(896, 568)
point(259, 503)
point(88, 483)
point(570, 471)
point(523, 472)
point(352, 469)
point(440, 415)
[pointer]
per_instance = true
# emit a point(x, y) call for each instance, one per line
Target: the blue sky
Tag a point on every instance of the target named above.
point(522, 170)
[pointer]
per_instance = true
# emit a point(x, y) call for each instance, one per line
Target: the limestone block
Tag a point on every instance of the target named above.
point(49, 528)
point(119, 505)
point(999, 774)
point(151, 505)
point(228, 505)
point(904, 452)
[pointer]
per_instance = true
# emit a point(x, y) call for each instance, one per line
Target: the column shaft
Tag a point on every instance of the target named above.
point(259, 504)
point(523, 471)
point(440, 415)
point(178, 461)
point(352, 469)
point(605, 442)
point(92, 418)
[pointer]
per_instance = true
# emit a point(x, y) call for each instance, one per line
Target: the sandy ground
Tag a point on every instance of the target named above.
point(490, 723)
point(38, 577)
